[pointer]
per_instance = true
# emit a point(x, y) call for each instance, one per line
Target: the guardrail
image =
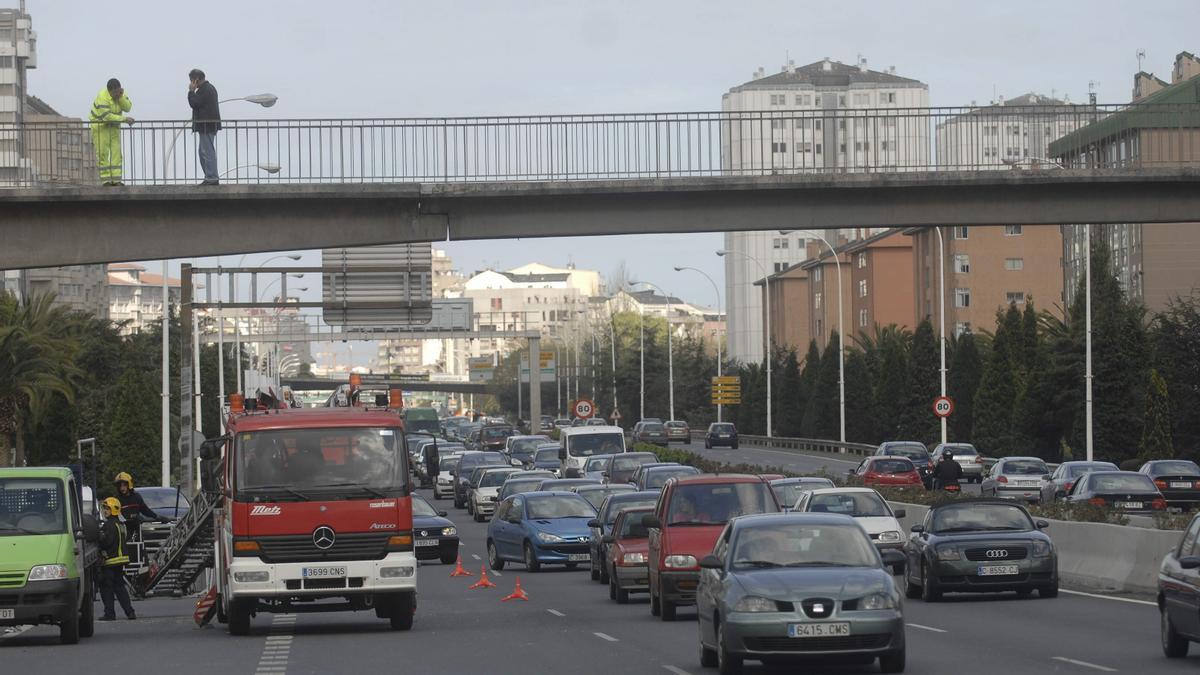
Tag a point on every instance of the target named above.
point(801, 444)
point(620, 146)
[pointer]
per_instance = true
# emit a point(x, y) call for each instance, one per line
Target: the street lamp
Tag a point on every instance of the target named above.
point(767, 337)
point(716, 292)
point(270, 168)
point(841, 332)
point(265, 100)
point(670, 351)
point(942, 318)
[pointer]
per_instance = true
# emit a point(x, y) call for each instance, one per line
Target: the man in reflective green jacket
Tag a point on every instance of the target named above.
point(108, 111)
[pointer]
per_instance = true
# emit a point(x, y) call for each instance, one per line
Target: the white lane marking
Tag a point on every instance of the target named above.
point(475, 556)
point(677, 671)
point(1109, 597)
point(928, 628)
point(555, 612)
point(606, 636)
point(277, 649)
point(496, 574)
point(1083, 664)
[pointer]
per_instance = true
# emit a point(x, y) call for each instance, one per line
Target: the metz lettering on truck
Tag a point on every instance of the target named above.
point(261, 510)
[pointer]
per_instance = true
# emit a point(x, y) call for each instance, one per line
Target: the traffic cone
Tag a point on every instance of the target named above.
point(483, 582)
point(517, 594)
point(458, 569)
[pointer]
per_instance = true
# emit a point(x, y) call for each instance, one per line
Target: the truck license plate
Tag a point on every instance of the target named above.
point(427, 542)
point(8, 613)
point(816, 630)
point(323, 572)
point(998, 570)
point(579, 557)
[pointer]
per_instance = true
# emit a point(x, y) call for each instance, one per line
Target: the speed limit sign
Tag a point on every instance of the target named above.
point(584, 409)
point(943, 406)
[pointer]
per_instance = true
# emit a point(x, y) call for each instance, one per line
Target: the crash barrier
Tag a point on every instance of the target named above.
point(801, 444)
point(1095, 556)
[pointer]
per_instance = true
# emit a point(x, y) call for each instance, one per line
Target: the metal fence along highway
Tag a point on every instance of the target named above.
point(623, 146)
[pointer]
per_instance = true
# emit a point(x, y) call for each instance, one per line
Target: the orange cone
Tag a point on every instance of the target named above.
point(483, 582)
point(517, 594)
point(459, 571)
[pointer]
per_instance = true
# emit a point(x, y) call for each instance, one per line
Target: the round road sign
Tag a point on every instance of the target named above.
point(943, 406)
point(584, 409)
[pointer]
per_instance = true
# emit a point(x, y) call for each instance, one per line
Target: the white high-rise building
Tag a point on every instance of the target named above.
point(844, 129)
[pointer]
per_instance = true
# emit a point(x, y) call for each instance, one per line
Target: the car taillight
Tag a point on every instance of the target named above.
point(978, 459)
point(1002, 479)
point(1160, 484)
point(1158, 504)
point(1096, 501)
point(870, 475)
point(1067, 486)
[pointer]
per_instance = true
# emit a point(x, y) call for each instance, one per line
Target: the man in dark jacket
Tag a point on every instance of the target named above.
point(206, 122)
point(133, 507)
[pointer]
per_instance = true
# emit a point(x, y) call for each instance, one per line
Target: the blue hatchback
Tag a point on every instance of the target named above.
point(540, 528)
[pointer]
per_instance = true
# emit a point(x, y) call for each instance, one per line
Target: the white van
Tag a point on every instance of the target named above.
point(580, 443)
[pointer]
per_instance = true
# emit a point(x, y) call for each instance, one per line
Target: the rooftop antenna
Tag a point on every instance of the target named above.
point(1092, 84)
point(1141, 56)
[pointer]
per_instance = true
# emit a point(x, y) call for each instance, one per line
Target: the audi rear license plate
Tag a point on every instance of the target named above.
point(8, 613)
point(426, 542)
point(579, 557)
point(818, 630)
point(1129, 505)
point(998, 570)
point(323, 572)
point(1186, 485)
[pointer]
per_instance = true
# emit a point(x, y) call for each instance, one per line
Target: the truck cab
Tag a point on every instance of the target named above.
point(688, 518)
point(48, 552)
point(314, 505)
point(578, 444)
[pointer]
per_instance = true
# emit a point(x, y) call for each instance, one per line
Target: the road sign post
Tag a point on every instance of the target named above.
point(943, 406)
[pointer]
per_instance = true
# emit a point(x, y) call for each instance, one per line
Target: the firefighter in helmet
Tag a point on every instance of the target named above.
point(133, 507)
point(115, 557)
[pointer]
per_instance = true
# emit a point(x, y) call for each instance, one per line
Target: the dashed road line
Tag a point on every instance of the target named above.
point(1109, 597)
point(475, 556)
point(606, 636)
point(278, 647)
point(931, 629)
point(677, 671)
point(496, 574)
point(1084, 664)
point(555, 612)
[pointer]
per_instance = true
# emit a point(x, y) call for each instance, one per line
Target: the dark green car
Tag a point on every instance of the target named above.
point(980, 546)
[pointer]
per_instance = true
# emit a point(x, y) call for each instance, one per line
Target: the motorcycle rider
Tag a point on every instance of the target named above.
point(947, 472)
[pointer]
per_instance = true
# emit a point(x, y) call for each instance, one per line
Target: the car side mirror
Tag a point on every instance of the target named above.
point(711, 562)
point(594, 523)
point(1042, 524)
point(608, 539)
point(1046, 477)
point(1189, 562)
point(441, 514)
point(900, 513)
point(850, 472)
point(562, 454)
point(90, 528)
point(917, 529)
point(892, 557)
point(652, 522)
point(211, 449)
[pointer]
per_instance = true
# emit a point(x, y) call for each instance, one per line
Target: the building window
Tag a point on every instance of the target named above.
point(1014, 264)
point(817, 274)
point(777, 124)
point(805, 147)
point(1012, 230)
point(497, 303)
point(962, 327)
point(862, 99)
point(779, 147)
point(1014, 298)
point(959, 232)
point(817, 101)
point(817, 123)
point(817, 301)
point(862, 260)
point(818, 150)
point(888, 97)
point(804, 99)
point(780, 266)
point(862, 288)
point(779, 242)
point(841, 100)
point(962, 263)
point(862, 318)
point(778, 99)
point(962, 297)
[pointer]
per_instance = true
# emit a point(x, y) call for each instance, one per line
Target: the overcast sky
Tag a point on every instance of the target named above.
point(396, 58)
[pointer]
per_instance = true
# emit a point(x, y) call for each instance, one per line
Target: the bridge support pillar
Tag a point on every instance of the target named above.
point(535, 384)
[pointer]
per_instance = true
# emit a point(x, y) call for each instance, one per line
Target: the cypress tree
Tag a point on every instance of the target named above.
point(890, 388)
point(962, 382)
point(131, 439)
point(860, 425)
point(997, 393)
point(918, 422)
point(821, 415)
point(1156, 432)
point(788, 416)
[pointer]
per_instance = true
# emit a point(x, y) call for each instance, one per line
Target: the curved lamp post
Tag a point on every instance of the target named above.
point(265, 100)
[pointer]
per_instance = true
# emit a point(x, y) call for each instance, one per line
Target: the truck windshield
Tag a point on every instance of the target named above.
point(586, 445)
point(309, 463)
point(31, 506)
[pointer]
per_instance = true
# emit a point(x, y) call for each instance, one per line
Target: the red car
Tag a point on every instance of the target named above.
point(888, 470)
point(628, 549)
point(689, 516)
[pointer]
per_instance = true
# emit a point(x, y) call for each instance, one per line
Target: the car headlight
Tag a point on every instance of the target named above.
point(753, 603)
point(634, 559)
point(948, 552)
point(47, 572)
point(889, 536)
point(549, 538)
point(1041, 549)
point(396, 572)
point(449, 531)
point(680, 561)
point(876, 601)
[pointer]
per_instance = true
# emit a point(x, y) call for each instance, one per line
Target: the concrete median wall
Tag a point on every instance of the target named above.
point(1096, 556)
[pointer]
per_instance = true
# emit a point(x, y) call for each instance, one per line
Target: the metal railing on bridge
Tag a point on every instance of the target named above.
point(621, 146)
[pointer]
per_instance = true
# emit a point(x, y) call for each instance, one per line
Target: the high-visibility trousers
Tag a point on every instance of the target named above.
point(107, 140)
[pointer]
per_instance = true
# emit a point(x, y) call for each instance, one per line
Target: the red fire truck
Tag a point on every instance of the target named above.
point(312, 512)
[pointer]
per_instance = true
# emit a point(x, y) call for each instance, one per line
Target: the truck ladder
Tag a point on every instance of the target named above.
point(185, 553)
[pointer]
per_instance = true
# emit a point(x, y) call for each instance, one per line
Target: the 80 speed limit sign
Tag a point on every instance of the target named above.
point(943, 406)
point(584, 409)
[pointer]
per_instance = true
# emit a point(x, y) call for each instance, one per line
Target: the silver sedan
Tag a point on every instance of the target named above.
point(1016, 478)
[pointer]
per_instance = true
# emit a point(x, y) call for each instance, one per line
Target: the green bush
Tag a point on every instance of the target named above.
point(1173, 521)
point(1080, 512)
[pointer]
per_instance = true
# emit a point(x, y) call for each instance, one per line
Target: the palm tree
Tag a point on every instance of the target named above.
point(37, 348)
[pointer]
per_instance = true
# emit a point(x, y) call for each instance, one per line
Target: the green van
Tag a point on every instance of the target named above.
point(48, 552)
